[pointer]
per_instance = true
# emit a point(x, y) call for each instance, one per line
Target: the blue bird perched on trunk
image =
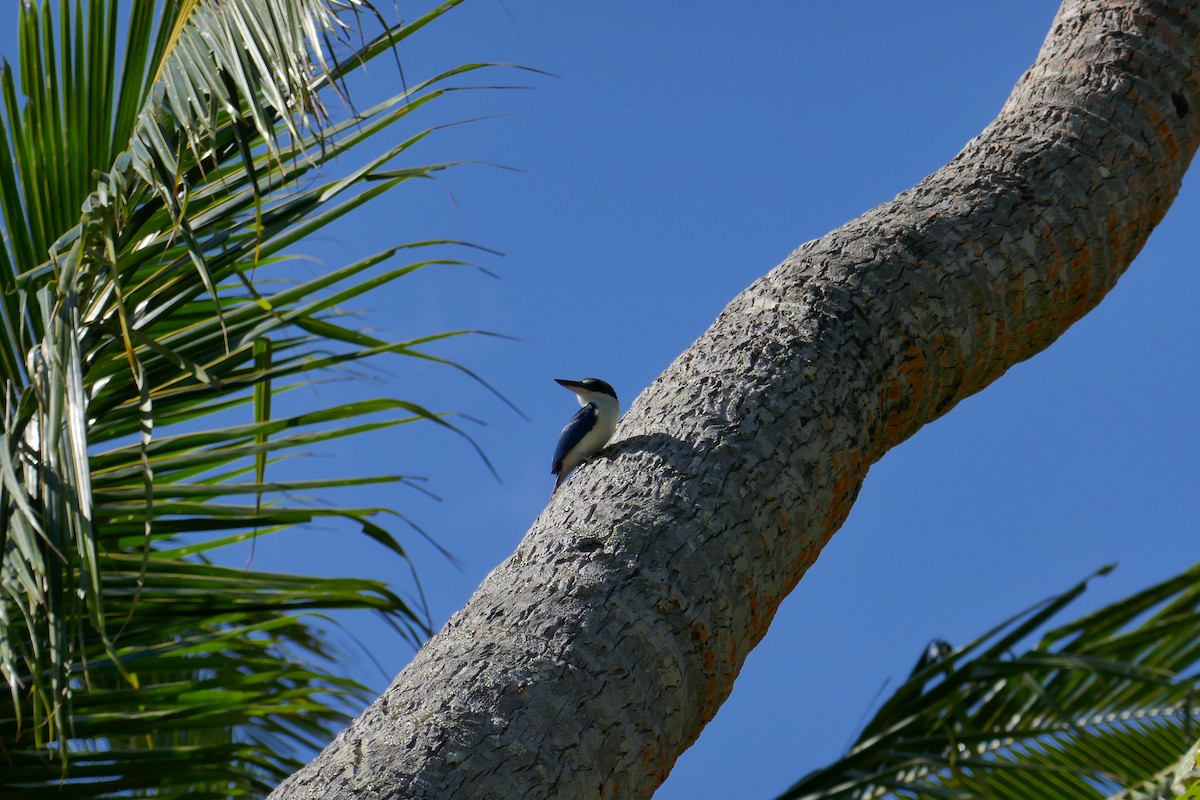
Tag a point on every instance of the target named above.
point(589, 430)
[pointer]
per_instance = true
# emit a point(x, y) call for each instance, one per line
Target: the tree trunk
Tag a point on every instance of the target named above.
point(590, 659)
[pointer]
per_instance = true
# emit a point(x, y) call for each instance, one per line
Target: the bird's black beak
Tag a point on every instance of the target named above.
point(567, 384)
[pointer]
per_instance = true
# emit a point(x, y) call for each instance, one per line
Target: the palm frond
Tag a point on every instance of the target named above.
point(146, 296)
point(1186, 776)
point(1102, 707)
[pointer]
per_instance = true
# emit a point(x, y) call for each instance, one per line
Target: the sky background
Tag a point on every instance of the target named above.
point(679, 152)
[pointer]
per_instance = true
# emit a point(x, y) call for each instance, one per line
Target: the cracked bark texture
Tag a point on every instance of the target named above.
point(590, 659)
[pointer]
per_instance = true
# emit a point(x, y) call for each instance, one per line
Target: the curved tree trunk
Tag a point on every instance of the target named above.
point(591, 658)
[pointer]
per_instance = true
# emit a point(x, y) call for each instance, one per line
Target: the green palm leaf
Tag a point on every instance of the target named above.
point(1102, 707)
point(145, 294)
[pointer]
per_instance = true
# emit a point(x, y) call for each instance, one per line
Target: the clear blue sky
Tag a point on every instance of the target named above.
point(682, 151)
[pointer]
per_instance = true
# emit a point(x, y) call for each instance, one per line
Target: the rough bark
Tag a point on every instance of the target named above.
point(590, 659)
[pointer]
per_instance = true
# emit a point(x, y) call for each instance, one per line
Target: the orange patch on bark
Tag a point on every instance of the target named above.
point(1081, 291)
point(762, 610)
point(1162, 129)
point(849, 473)
point(904, 394)
point(1116, 233)
point(710, 669)
point(712, 700)
point(655, 761)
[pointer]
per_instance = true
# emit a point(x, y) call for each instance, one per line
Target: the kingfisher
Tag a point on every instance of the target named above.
point(589, 430)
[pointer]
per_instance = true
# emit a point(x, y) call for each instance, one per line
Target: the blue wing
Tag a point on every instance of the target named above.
point(573, 434)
